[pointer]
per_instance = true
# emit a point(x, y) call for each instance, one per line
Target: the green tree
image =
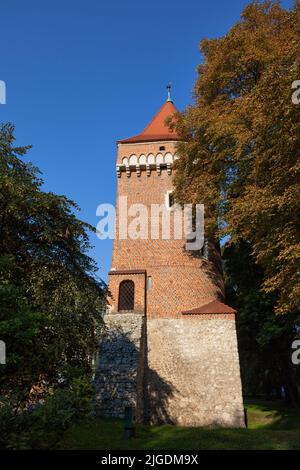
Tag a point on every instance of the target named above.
point(264, 338)
point(50, 297)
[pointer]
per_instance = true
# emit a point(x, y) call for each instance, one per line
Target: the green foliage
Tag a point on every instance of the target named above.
point(264, 338)
point(44, 425)
point(20, 327)
point(50, 298)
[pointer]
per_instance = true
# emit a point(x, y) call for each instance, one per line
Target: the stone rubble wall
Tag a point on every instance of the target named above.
point(193, 374)
point(119, 377)
point(182, 371)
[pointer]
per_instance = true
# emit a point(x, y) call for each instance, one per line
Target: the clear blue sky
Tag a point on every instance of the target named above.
point(82, 74)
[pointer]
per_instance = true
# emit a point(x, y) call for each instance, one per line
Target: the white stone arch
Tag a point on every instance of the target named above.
point(151, 158)
point(168, 158)
point(133, 160)
point(125, 161)
point(159, 158)
point(176, 157)
point(142, 159)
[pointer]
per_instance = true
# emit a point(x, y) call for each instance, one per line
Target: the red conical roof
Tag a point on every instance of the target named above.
point(157, 128)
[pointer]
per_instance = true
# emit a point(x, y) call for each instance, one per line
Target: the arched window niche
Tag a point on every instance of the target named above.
point(126, 296)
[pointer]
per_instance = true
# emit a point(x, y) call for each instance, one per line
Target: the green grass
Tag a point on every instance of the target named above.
point(270, 426)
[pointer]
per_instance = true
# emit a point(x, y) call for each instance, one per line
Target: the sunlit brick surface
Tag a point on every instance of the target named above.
point(172, 368)
point(180, 280)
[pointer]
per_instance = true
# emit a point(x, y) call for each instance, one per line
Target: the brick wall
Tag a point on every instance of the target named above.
point(139, 280)
point(180, 279)
point(126, 150)
point(191, 363)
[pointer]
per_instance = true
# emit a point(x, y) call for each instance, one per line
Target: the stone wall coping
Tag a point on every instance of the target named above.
point(209, 316)
point(127, 271)
point(214, 307)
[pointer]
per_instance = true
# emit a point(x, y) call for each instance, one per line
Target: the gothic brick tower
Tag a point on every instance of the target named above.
point(170, 350)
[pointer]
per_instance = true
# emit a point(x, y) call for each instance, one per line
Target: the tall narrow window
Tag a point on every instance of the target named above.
point(126, 296)
point(169, 200)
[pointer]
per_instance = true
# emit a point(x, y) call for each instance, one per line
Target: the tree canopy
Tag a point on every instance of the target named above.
point(50, 297)
point(240, 155)
point(264, 339)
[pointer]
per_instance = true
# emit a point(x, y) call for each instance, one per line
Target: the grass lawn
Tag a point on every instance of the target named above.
point(270, 426)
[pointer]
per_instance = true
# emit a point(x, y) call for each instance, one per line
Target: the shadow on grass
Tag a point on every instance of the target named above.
point(281, 431)
point(273, 415)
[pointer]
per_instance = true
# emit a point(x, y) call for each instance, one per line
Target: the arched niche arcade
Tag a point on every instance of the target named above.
point(148, 161)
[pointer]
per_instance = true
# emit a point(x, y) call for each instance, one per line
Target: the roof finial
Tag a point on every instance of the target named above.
point(169, 92)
